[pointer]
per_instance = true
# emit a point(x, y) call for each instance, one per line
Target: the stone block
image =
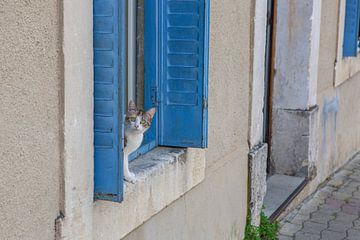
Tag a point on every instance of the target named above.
point(257, 172)
point(294, 145)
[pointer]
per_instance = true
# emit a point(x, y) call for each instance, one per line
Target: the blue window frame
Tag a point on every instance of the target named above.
point(351, 28)
point(176, 67)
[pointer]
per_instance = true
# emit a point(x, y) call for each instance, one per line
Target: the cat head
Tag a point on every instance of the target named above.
point(138, 120)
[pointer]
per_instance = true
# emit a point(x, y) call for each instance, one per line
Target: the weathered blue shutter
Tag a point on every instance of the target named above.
point(108, 109)
point(183, 27)
point(351, 29)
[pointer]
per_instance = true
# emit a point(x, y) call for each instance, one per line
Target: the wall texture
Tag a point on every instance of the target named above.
point(339, 118)
point(78, 121)
point(339, 132)
point(216, 208)
point(40, 88)
point(30, 106)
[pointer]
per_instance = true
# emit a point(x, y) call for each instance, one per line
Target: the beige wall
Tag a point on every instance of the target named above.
point(339, 132)
point(30, 110)
point(339, 120)
point(32, 107)
point(216, 208)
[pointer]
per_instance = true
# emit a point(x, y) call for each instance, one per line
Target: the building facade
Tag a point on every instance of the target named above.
point(282, 101)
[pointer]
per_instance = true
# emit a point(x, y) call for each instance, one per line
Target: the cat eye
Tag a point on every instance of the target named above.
point(142, 122)
point(132, 119)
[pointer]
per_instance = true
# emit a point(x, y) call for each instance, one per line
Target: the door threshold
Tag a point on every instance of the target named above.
point(281, 191)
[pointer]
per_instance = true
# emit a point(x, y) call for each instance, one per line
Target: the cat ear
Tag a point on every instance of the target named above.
point(132, 109)
point(132, 105)
point(151, 112)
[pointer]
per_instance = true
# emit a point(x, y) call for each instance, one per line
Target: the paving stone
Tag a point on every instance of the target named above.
point(345, 217)
point(352, 185)
point(325, 193)
point(291, 215)
point(353, 164)
point(320, 217)
point(353, 233)
point(354, 202)
point(330, 235)
point(329, 210)
point(299, 219)
point(346, 172)
point(318, 199)
point(289, 229)
point(313, 227)
point(351, 167)
point(341, 196)
point(350, 209)
point(348, 190)
point(339, 226)
point(282, 237)
point(355, 177)
point(356, 224)
point(313, 204)
point(336, 182)
point(305, 211)
point(333, 202)
point(306, 236)
point(356, 194)
point(333, 212)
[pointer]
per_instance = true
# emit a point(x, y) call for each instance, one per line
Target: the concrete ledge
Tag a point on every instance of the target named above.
point(164, 175)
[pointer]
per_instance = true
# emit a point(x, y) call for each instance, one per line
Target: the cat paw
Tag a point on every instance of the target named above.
point(130, 177)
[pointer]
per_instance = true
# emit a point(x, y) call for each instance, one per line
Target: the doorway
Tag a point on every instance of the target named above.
point(284, 126)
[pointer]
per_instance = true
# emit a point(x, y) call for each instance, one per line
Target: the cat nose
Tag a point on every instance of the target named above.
point(136, 126)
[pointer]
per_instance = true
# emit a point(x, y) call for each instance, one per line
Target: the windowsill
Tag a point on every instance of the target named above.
point(153, 163)
point(163, 175)
point(345, 68)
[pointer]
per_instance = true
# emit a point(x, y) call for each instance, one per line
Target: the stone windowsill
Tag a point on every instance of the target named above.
point(163, 175)
point(345, 68)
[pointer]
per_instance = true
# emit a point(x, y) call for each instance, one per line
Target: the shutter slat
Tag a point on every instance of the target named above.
point(351, 29)
point(108, 178)
point(183, 76)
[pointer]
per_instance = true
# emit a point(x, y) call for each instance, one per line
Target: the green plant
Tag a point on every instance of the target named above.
point(266, 230)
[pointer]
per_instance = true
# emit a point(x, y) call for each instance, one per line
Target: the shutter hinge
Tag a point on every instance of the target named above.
point(155, 97)
point(205, 103)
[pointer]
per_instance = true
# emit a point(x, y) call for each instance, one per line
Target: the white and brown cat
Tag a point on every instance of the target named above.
point(137, 122)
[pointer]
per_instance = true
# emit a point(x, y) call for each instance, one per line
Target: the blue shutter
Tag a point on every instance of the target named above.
point(183, 27)
point(108, 109)
point(351, 29)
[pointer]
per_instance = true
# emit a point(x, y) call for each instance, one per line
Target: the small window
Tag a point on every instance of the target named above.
point(351, 29)
point(170, 75)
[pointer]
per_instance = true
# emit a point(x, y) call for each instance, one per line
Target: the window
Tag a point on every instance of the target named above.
point(351, 28)
point(175, 82)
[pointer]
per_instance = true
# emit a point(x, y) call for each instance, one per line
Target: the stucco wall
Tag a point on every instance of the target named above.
point(216, 208)
point(339, 132)
point(30, 107)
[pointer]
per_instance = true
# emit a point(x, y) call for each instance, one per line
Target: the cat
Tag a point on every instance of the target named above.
point(137, 122)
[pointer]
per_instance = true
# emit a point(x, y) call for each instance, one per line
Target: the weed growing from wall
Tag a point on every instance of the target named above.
point(266, 230)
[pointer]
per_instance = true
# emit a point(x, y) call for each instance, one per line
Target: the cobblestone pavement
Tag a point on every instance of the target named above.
point(332, 213)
